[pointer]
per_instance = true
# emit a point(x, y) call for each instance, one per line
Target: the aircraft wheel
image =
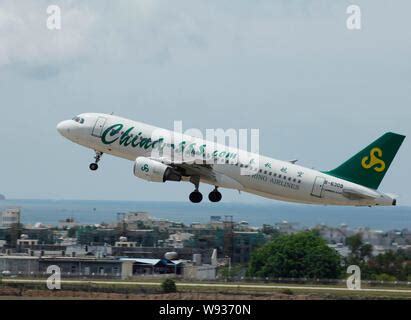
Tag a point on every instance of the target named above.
point(196, 196)
point(215, 196)
point(93, 166)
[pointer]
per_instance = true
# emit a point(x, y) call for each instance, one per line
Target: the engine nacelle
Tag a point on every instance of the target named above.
point(154, 171)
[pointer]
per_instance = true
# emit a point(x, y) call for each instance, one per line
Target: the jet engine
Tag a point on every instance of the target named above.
point(155, 171)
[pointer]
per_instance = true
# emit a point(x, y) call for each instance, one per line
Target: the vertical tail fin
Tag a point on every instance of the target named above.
point(368, 167)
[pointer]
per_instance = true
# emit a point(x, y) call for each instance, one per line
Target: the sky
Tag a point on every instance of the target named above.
point(317, 91)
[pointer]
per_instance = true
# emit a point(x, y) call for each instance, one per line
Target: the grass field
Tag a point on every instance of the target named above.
point(150, 288)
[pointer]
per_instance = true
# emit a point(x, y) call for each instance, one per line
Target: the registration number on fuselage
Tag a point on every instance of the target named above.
point(334, 184)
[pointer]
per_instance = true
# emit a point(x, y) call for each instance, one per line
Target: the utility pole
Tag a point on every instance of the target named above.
point(121, 223)
point(228, 237)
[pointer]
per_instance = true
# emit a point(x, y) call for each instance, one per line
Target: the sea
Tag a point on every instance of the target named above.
point(256, 214)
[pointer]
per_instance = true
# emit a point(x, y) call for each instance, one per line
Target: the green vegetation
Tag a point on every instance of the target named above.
point(227, 272)
point(71, 232)
point(388, 266)
point(306, 255)
point(360, 252)
point(168, 286)
point(385, 277)
point(299, 255)
point(287, 292)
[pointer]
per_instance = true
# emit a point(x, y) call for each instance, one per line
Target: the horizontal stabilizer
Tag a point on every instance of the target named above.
point(353, 194)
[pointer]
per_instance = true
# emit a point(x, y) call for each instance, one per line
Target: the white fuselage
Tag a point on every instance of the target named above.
point(233, 168)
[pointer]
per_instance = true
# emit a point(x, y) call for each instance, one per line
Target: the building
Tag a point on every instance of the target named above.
point(199, 272)
point(177, 240)
point(137, 219)
point(185, 253)
point(332, 235)
point(123, 243)
point(92, 235)
point(144, 266)
point(26, 242)
point(9, 217)
point(244, 242)
point(285, 227)
point(88, 266)
point(342, 250)
point(44, 234)
point(19, 265)
point(88, 250)
point(67, 223)
point(195, 269)
point(141, 220)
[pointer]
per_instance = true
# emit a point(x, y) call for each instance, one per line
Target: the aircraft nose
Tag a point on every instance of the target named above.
point(64, 128)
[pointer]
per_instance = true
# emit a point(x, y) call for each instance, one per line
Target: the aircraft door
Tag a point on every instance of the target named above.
point(98, 127)
point(318, 187)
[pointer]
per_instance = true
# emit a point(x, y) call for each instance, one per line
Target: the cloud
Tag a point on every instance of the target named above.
point(30, 47)
point(144, 31)
point(182, 31)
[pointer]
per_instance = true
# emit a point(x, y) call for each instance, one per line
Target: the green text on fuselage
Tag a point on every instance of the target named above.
point(116, 134)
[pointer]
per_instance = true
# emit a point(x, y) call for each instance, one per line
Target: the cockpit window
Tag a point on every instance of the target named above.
point(79, 120)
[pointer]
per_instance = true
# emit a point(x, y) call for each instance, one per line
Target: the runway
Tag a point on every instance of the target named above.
point(212, 285)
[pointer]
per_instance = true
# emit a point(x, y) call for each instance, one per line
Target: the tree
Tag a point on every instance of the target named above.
point(168, 286)
point(360, 253)
point(397, 265)
point(299, 255)
point(71, 232)
point(354, 243)
point(228, 272)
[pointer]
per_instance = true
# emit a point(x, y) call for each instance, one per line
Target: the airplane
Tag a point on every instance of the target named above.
point(160, 155)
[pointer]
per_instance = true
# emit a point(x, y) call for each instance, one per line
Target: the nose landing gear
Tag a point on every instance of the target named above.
point(94, 166)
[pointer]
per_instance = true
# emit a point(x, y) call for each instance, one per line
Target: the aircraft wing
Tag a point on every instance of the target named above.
point(208, 173)
point(354, 194)
point(204, 172)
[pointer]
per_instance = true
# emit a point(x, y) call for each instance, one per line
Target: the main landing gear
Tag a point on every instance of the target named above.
point(196, 196)
point(94, 166)
point(215, 195)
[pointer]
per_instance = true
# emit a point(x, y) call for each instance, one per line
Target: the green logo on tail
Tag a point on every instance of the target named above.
point(374, 160)
point(369, 166)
